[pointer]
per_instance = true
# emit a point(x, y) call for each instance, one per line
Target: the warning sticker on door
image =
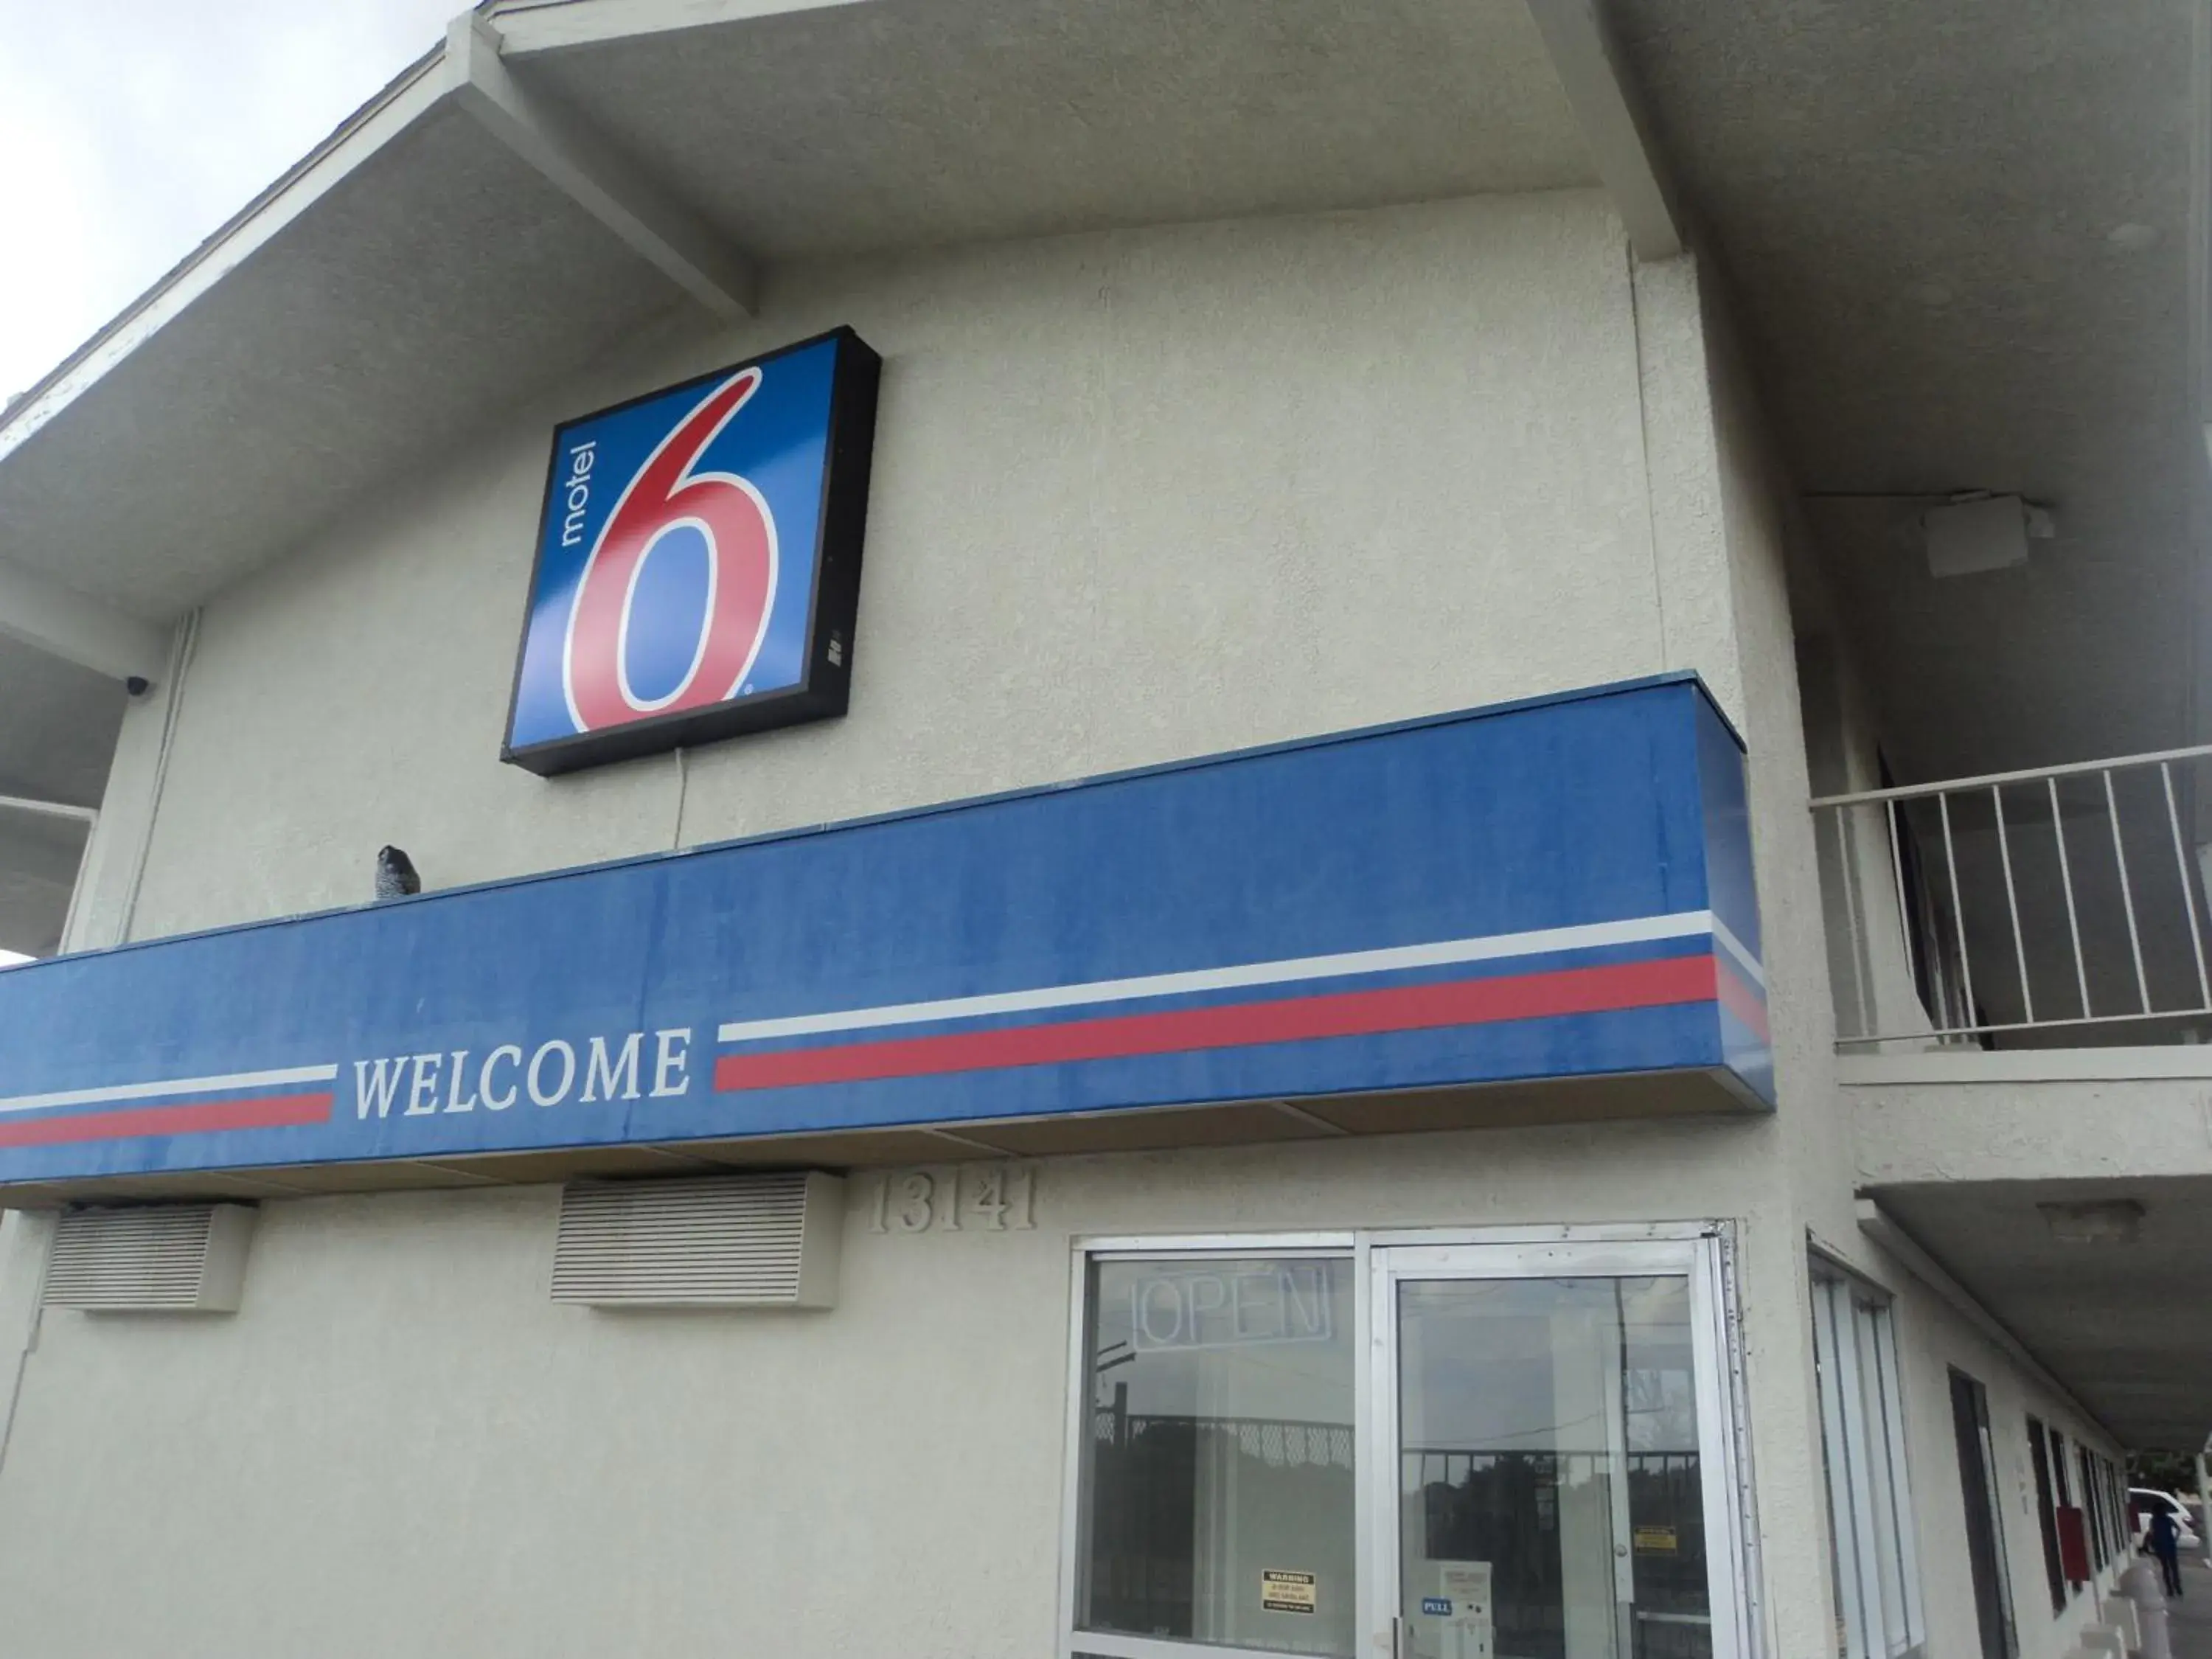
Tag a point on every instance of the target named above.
point(1656, 1541)
point(1289, 1592)
point(1464, 1607)
point(1467, 1583)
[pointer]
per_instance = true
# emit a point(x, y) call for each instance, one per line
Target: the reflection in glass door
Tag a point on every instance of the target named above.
point(1552, 1488)
point(1349, 1447)
point(1217, 1457)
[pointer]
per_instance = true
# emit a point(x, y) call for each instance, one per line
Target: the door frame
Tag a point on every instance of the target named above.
point(1704, 1251)
point(1987, 1498)
point(1696, 1259)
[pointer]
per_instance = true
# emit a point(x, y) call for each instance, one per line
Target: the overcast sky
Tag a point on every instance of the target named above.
point(133, 128)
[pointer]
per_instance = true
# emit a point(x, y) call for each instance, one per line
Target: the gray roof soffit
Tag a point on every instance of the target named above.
point(465, 66)
point(559, 174)
point(523, 26)
point(351, 140)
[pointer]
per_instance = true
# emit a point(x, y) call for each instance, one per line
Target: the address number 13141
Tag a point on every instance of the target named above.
point(992, 1198)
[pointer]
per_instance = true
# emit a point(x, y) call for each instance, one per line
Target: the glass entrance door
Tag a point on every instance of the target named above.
point(1387, 1446)
point(1551, 1481)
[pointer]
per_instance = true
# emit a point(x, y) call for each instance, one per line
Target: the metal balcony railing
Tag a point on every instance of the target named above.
point(2023, 909)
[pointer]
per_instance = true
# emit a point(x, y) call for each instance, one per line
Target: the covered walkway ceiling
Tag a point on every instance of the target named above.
point(1966, 238)
point(2125, 1324)
point(58, 723)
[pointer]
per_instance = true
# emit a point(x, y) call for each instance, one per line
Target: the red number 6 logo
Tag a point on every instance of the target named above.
point(741, 560)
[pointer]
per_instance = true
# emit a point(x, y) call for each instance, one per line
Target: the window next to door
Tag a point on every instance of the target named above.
point(1216, 1452)
point(1422, 1444)
point(1872, 1553)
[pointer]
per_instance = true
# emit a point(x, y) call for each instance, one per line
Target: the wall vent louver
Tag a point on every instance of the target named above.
point(170, 1258)
point(752, 1240)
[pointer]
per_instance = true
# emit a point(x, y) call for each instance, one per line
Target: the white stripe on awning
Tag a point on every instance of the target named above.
point(1744, 959)
point(183, 1085)
point(1683, 924)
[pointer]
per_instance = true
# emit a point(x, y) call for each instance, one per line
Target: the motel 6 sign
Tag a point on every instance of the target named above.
point(698, 564)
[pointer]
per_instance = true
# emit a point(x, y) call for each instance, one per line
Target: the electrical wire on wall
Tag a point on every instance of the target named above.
point(21, 1221)
point(1644, 455)
point(77, 885)
point(180, 658)
point(682, 784)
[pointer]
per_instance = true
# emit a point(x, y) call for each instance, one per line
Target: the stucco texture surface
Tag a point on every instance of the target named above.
point(400, 1444)
point(1137, 497)
point(1748, 500)
point(1933, 1340)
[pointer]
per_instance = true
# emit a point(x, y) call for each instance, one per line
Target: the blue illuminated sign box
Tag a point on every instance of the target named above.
point(1553, 891)
point(698, 566)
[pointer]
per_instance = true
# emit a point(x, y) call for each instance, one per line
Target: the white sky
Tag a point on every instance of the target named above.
point(133, 128)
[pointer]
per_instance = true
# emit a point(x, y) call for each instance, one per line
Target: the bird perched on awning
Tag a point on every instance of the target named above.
point(395, 875)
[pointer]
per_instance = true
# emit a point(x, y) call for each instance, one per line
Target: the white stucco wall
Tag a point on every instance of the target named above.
point(1735, 493)
point(400, 1444)
point(1827, 741)
point(1137, 497)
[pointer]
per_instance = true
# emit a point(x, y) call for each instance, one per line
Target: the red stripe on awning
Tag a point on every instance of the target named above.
point(191, 1117)
point(1737, 996)
point(1289, 1019)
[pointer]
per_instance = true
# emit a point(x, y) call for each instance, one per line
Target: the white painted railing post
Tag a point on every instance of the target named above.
point(2055, 895)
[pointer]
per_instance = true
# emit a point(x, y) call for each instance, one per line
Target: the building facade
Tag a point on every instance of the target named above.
point(1339, 1051)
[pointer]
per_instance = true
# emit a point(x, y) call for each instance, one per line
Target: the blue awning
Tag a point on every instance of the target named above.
point(1407, 926)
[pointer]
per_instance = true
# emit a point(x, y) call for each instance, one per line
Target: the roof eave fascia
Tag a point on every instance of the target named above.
point(568, 155)
point(406, 99)
point(1609, 108)
point(533, 26)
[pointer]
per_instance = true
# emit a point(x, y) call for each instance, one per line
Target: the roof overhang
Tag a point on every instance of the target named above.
point(555, 178)
point(561, 174)
point(1968, 247)
point(58, 728)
